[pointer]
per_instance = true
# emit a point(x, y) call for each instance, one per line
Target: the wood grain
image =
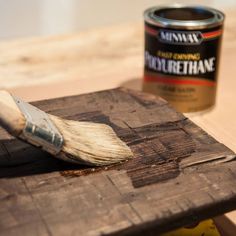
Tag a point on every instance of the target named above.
point(42, 68)
point(179, 174)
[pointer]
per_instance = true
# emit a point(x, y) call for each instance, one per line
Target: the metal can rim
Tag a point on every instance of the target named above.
point(216, 19)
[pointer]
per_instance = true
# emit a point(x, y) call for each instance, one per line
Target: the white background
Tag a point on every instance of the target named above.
point(21, 18)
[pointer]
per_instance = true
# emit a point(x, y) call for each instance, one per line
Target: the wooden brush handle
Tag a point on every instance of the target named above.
point(11, 117)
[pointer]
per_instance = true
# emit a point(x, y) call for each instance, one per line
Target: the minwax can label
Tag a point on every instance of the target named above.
point(181, 63)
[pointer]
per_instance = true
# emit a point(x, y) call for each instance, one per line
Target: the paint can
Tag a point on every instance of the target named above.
point(182, 53)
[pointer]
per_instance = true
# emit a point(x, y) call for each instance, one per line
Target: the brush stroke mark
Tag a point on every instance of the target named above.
point(157, 150)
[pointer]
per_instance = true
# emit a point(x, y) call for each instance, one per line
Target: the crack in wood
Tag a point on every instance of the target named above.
point(211, 160)
point(4, 148)
point(135, 212)
point(111, 181)
point(37, 208)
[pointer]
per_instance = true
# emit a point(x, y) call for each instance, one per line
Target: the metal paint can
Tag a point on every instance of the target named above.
point(182, 52)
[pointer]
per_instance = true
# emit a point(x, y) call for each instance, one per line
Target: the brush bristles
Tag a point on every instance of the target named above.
point(90, 143)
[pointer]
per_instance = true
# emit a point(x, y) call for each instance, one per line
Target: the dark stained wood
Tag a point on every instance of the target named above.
point(179, 174)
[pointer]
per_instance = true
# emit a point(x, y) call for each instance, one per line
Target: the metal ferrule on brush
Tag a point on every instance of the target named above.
point(39, 129)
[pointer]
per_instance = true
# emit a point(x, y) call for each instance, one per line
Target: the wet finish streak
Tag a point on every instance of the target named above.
point(157, 150)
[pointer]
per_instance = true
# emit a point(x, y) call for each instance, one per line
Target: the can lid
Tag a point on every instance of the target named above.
point(184, 17)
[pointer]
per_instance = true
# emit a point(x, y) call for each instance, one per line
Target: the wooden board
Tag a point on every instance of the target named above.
point(179, 174)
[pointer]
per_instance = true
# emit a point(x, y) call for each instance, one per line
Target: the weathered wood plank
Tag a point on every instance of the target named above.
point(179, 174)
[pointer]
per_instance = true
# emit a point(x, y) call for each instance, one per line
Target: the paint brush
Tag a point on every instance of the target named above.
point(74, 141)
